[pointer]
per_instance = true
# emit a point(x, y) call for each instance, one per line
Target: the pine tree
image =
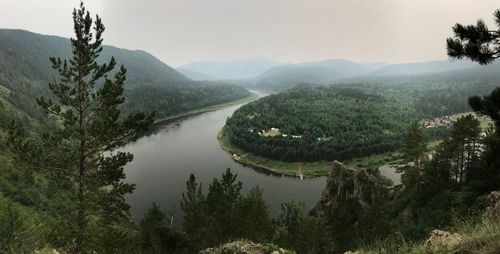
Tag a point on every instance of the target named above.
point(192, 205)
point(153, 219)
point(222, 202)
point(414, 151)
point(480, 44)
point(87, 110)
point(253, 217)
point(415, 147)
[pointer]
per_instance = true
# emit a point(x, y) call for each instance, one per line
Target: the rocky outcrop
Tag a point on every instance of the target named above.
point(246, 247)
point(443, 238)
point(492, 212)
point(344, 184)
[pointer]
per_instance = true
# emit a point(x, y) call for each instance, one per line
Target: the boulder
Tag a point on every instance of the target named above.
point(246, 247)
point(443, 238)
point(492, 212)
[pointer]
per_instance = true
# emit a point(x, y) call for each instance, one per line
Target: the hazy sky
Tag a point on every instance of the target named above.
point(182, 31)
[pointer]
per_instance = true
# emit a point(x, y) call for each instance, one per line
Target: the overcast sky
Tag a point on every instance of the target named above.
point(183, 31)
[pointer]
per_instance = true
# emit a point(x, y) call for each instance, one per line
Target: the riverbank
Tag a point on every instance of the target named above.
point(295, 169)
point(253, 96)
point(306, 169)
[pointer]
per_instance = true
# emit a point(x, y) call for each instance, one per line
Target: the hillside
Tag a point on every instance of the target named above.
point(320, 123)
point(344, 71)
point(422, 68)
point(323, 72)
point(194, 75)
point(25, 71)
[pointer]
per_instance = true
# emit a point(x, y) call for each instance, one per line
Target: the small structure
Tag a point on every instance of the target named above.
point(426, 124)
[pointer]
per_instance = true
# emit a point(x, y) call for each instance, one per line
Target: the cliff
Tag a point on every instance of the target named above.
point(360, 188)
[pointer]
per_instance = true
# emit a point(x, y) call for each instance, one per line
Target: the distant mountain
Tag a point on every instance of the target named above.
point(244, 68)
point(422, 67)
point(194, 75)
point(341, 71)
point(443, 72)
point(322, 72)
point(25, 70)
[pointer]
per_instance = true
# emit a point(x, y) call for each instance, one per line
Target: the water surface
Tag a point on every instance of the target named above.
point(164, 159)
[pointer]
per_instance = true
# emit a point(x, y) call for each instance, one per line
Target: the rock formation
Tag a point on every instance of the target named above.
point(344, 184)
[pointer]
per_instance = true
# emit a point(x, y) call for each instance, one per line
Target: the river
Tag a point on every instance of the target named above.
point(165, 157)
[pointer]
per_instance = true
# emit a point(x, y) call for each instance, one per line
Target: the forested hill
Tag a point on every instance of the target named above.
point(322, 72)
point(320, 123)
point(151, 84)
point(344, 71)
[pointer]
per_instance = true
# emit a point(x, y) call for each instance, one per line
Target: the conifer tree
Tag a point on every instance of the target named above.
point(192, 205)
point(480, 44)
point(87, 107)
point(414, 151)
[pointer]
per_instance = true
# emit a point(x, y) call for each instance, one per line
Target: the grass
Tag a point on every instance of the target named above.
point(307, 169)
point(484, 124)
point(246, 246)
point(375, 161)
point(483, 237)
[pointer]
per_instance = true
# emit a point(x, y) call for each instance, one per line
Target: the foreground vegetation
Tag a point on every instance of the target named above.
point(58, 190)
point(478, 237)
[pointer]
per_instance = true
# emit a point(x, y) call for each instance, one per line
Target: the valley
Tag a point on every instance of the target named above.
point(109, 149)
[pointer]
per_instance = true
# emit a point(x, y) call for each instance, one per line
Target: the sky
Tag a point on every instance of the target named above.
point(183, 31)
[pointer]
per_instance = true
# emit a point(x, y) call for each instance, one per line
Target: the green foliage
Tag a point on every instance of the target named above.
point(87, 110)
point(171, 101)
point(225, 213)
point(478, 43)
point(334, 123)
point(192, 204)
point(475, 42)
point(151, 84)
point(304, 234)
point(157, 237)
point(18, 232)
point(253, 212)
point(415, 145)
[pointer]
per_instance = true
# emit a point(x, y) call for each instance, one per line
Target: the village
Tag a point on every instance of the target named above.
point(273, 132)
point(447, 121)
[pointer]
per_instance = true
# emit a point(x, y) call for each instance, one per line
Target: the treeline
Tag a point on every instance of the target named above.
point(435, 193)
point(151, 85)
point(335, 123)
point(448, 99)
point(345, 121)
point(168, 101)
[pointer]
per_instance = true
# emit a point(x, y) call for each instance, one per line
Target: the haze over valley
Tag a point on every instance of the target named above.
point(282, 127)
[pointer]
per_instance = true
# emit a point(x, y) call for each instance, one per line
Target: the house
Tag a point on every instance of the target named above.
point(426, 124)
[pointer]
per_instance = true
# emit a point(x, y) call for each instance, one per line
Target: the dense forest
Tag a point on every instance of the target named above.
point(62, 186)
point(151, 85)
point(344, 121)
point(320, 123)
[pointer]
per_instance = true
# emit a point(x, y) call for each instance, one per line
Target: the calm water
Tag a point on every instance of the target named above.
point(164, 159)
point(391, 173)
